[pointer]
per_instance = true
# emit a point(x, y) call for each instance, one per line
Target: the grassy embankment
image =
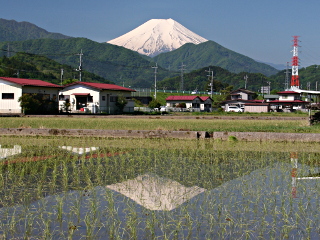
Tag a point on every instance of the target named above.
point(165, 123)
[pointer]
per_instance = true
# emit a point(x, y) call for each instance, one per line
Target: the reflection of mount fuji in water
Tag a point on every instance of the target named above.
point(156, 193)
point(259, 198)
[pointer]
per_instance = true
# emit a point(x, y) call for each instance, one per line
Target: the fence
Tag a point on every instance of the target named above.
point(147, 92)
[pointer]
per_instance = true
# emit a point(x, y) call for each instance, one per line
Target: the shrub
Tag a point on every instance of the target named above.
point(37, 104)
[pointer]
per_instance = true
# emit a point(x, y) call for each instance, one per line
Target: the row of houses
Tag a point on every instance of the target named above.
point(74, 97)
point(284, 101)
point(103, 98)
point(243, 100)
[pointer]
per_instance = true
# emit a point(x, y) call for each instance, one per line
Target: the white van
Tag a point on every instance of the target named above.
point(234, 109)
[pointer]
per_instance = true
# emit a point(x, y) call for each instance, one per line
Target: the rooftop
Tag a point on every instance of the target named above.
point(102, 86)
point(30, 82)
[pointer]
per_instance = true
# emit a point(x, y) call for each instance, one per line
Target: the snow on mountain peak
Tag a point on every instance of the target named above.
point(156, 36)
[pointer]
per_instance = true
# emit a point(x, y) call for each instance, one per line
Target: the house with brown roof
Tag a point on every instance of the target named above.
point(288, 101)
point(192, 103)
point(238, 99)
point(95, 97)
point(13, 88)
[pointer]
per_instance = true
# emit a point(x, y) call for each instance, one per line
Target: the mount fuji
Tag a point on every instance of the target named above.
point(157, 36)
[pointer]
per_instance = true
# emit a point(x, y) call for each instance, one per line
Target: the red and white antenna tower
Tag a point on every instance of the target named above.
point(295, 64)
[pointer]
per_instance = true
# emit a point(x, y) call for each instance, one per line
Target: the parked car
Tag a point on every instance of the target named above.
point(195, 92)
point(163, 108)
point(234, 109)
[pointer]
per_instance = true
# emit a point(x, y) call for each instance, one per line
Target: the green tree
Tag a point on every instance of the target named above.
point(29, 103)
point(37, 104)
point(274, 91)
point(121, 103)
point(154, 104)
point(68, 81)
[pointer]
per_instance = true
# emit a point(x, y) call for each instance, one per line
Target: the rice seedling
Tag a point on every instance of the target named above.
point(165, 123)
point(155, 188)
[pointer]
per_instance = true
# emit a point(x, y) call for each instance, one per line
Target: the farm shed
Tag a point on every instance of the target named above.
point(257, 107)
point(13, 88)
point(95, 97)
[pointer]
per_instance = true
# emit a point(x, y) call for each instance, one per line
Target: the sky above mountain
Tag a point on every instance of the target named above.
point(259, 29)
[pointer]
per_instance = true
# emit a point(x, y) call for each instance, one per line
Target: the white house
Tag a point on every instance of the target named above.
point(288, 101)
point(191, 102)
point(11, 90)
point(95, 97)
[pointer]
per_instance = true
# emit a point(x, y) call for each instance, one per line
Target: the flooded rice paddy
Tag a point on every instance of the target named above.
point(96, 192)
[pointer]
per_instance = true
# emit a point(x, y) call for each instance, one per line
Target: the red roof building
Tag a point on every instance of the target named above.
point(192, 102)
point(101, 86)
point(288, 101)
point(95, 97)
point(11, 89)
point(181, 98)
point(30, 82)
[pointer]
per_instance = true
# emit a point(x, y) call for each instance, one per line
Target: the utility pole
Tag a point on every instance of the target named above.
point(80, 66)
point(286, 82)
point(182, 80)
point(246, 80)
point(155, 81)
point(61, 76)
point(308, 85)
point(211, 82)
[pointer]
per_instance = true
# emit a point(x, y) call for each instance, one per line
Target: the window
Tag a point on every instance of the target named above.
point(7, 95)
point(113, 98)
point(103, 98)
point(90, 99)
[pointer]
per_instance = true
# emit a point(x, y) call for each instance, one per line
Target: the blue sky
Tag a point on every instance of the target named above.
point(259, 29)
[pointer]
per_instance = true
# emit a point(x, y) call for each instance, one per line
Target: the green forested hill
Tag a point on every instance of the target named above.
point(211, 53)
point(111, 62)
point(309, 78)
point(11, 30)
point(39, 67)
point(200, 79)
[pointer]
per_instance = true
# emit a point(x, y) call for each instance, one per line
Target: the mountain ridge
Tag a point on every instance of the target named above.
point(124, 66)
point(211, 53)
point(11, 30)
